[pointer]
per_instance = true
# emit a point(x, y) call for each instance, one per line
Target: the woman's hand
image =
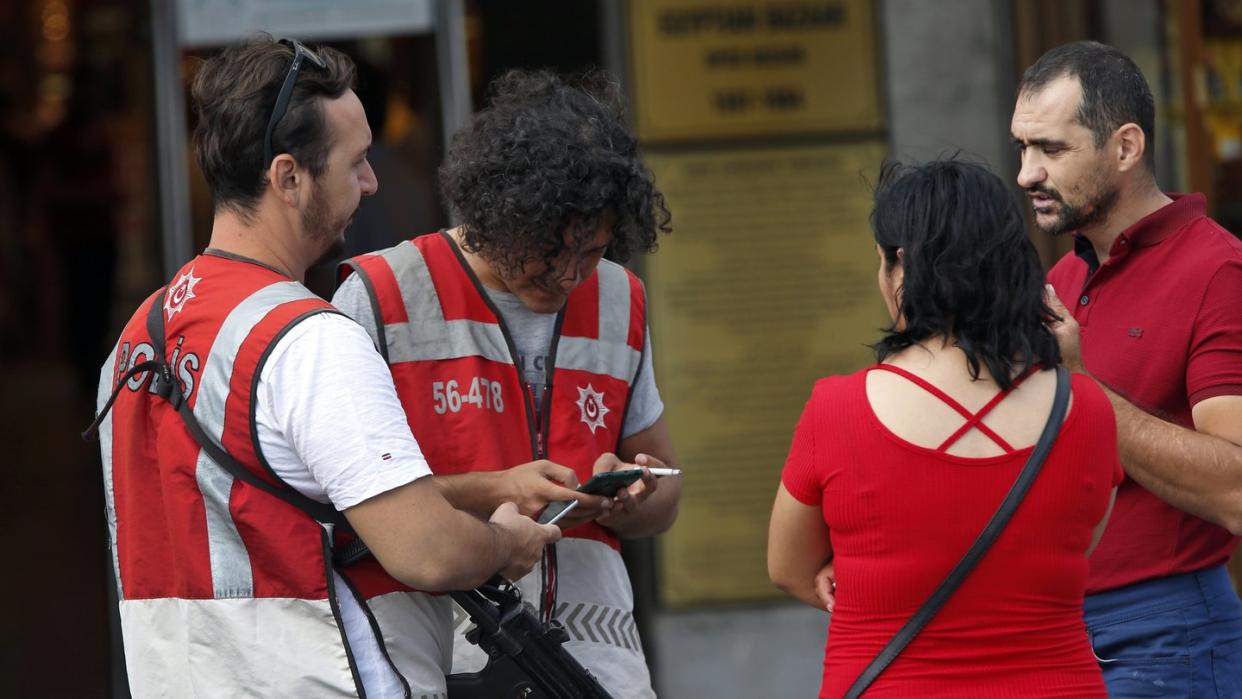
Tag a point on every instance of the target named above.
point(826, 586)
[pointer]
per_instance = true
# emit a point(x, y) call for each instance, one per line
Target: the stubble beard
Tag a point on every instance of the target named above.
point(1070, 218)
point(322, 231)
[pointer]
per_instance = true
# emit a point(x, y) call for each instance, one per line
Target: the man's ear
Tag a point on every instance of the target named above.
point(284, 177)
point(1131, 146)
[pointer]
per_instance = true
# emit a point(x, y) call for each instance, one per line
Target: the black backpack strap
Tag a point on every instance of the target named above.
point(165, 384)
point(168, 387)
point(989, 535)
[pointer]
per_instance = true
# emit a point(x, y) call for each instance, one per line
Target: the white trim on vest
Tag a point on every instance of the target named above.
point(108, 376)
point(185, 648)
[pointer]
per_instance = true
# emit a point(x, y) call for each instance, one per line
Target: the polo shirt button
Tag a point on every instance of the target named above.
point(1084, 300)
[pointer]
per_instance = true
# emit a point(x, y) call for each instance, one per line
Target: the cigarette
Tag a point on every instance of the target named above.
point(658, 472)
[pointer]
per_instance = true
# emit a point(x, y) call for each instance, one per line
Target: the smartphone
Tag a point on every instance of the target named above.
point(555, 511)
point(606, 484)
point(609, 482)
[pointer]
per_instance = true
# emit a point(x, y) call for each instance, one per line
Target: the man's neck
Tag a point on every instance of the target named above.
point(264, 239)
point(1131, 207)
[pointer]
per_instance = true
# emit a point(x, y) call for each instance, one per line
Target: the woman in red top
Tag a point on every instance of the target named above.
point(895, 469)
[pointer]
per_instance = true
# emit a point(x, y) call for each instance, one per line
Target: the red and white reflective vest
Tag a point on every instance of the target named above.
point(453, 364)
point(224, 589)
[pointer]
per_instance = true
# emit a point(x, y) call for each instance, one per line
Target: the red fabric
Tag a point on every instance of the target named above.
point(454, 285)
point(582, 311)
point(901, 515)
point(494, 438)
point(381, 274)
point(974, 421)
point(162, 542)
point(1161, 326)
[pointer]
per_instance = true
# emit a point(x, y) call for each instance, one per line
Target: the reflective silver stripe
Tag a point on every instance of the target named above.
point(411, 272)
point(614, 303)
point(426, 341)
point(584, 622)
point(610, 355)
point(595, 623)
point(209, 405)
point(620, 361)
point(428, 336)
point(107, 382)
point(231, 575)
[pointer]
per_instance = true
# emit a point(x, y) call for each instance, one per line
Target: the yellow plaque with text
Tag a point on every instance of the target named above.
point(767, 282)
point(722, 68)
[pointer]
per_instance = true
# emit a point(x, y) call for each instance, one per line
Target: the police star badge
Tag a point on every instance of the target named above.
point(180, 292)
point(591, 404)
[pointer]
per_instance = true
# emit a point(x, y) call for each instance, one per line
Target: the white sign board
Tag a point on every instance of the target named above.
point(215, 22)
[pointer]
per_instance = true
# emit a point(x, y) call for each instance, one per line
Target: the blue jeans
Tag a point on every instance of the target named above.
point(1179, 636)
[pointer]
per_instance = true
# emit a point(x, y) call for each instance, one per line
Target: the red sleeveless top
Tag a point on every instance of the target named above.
point(900, 516)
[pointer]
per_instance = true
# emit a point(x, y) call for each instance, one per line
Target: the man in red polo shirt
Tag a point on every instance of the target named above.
point(1154, 292)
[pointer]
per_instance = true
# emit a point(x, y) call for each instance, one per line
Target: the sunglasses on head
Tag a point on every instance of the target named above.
point(300, 53)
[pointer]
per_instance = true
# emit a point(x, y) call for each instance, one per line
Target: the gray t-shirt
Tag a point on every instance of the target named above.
point(532, 337)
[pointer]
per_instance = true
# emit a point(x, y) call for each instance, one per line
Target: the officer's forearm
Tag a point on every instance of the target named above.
point(479, 493)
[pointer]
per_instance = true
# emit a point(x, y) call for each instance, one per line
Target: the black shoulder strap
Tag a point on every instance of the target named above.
point(993, 529)
point(169, 387)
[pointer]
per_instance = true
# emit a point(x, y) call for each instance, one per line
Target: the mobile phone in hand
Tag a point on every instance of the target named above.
point(606, 484)
point(556, 510)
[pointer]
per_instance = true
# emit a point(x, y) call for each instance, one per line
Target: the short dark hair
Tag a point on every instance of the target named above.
point(545, 157)
point(1114, 91)
point(971, 273)
point(234, 93)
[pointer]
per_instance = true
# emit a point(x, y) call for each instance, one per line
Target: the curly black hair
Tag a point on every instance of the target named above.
point(971, 272)
point(547, 157)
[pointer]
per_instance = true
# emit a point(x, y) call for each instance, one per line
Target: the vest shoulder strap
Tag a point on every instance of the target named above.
point(169, 388)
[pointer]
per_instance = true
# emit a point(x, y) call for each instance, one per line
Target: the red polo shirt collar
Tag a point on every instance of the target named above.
point(1151, 229)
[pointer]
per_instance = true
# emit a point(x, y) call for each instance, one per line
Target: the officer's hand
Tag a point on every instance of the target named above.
point(1065, 330)
point(527, 539)
point(628, 499)
point(532, 486)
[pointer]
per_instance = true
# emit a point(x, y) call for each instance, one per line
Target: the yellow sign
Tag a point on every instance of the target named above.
point(767, 282)
point(721, 68)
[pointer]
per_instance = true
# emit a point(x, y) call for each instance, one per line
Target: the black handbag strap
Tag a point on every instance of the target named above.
point(987, 537)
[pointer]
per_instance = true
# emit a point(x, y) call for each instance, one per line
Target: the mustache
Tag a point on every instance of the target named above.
point(1046, 191)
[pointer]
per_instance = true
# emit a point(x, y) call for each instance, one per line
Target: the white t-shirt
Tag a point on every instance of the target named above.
point(331, 426)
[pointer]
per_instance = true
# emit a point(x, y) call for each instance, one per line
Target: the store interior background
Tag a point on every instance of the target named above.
point(81, 245)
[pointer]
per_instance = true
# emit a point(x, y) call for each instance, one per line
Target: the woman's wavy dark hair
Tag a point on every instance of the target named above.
point(546, 157)
point(971, 272)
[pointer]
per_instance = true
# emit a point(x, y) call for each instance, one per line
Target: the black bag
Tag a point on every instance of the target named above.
point(993, 529)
